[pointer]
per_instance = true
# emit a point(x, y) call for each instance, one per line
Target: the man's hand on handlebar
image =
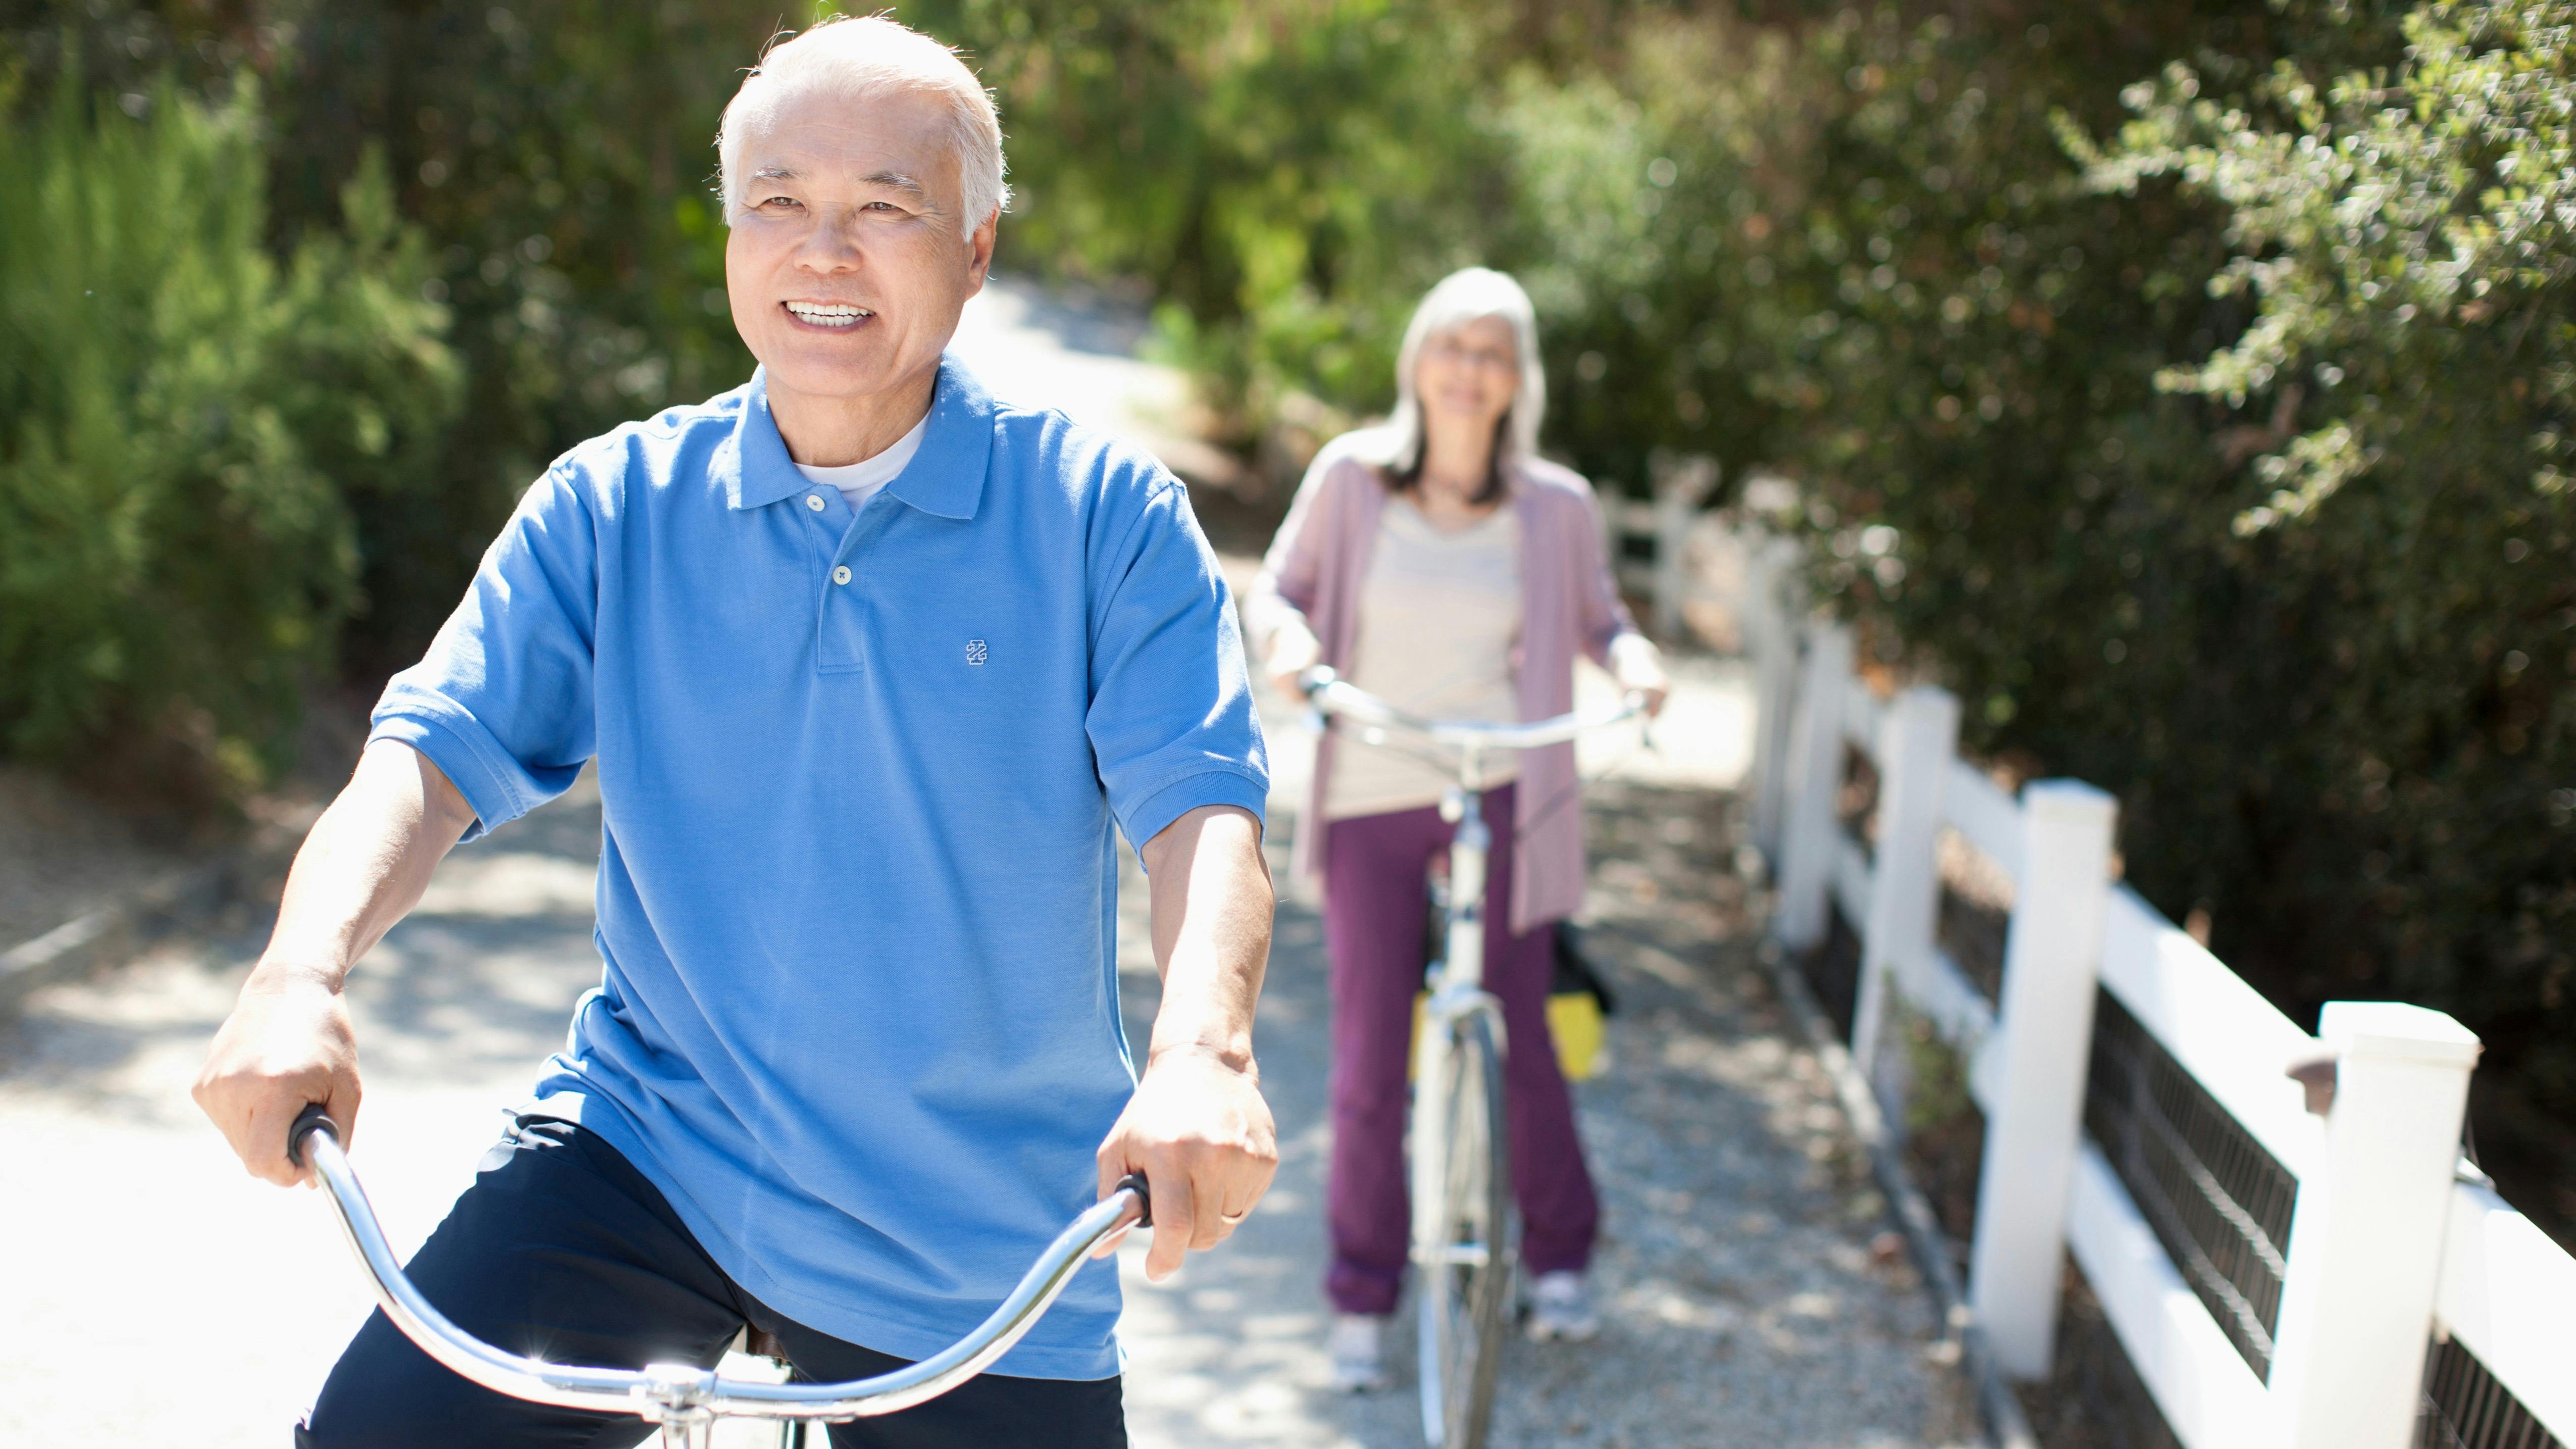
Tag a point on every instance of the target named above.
point(1199, 1131)
point(287, 1044)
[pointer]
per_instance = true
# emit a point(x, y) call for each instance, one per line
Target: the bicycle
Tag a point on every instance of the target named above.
point(1462, 1247)
point(685, 1400)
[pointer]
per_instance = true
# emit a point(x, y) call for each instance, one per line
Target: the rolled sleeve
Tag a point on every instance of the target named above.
point(1171, 719)
point(502, 702)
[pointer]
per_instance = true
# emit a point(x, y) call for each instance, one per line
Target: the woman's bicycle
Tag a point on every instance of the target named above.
point(684, 1399)
point(1463, 1240)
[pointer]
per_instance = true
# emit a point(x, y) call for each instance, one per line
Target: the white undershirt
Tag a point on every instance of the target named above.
point(1439, 622)
point(859, 481)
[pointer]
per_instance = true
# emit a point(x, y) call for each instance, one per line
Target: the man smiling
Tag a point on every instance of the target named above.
point(870, 664)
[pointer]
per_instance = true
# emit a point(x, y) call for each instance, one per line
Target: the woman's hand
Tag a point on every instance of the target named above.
point(1639, 668)
point(1294, 649)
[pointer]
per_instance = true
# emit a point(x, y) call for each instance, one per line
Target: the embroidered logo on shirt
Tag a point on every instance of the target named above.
point(974, 651)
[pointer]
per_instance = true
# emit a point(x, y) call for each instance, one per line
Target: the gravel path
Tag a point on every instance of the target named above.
point(1750, 1293)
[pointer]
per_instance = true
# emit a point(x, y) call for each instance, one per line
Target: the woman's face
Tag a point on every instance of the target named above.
point(1469, 373)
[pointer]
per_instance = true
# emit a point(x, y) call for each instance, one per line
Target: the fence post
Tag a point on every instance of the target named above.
point(1681, 485)
point(1815, 773)
point(2052, 960)
point(1768, 620)
point(1915, 745)
point(2365, 1247)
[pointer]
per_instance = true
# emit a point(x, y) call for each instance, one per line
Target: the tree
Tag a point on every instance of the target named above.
point(176, 557)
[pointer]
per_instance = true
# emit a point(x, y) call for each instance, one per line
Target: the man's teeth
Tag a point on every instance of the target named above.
point(828, 314)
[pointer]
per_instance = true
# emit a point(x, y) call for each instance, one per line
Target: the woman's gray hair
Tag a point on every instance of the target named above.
point(1463, 297)
point(864, 55)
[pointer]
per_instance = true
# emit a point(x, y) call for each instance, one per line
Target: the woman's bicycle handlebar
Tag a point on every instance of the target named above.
point(684, 1393)
point(1333, 695)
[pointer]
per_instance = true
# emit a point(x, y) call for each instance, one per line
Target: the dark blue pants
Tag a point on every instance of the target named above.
point(562, 1250)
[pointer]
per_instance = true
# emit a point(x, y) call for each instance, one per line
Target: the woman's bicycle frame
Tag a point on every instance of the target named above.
point(684, 1399)
point(1462, 1231)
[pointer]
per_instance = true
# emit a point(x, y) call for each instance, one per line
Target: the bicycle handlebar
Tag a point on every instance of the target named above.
point(664, 1393)
point(1332, 694)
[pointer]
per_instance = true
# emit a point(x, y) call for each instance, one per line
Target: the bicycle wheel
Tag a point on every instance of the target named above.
point(1465, 1294)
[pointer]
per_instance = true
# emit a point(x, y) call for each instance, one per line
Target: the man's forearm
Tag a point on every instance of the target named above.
point(1197, 1127)
point(289, 1040)
point(365, 864)
point(1211, 907)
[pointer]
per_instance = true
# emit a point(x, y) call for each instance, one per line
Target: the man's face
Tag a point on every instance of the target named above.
point(848, 262)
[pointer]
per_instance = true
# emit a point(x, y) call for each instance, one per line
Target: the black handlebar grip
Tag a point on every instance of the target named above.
point(1144, 1196)
point(307, 1122)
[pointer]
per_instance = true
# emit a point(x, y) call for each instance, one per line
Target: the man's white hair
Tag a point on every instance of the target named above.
point(868, 56)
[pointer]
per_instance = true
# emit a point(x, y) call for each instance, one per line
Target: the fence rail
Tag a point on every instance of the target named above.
point(2277, 1276)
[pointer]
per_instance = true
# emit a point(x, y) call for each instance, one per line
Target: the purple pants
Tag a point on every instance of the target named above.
point(1375, 901)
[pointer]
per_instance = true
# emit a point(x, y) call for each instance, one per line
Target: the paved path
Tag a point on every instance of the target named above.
point(154, 1296)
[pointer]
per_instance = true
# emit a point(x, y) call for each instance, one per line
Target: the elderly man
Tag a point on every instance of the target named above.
point(869, 663)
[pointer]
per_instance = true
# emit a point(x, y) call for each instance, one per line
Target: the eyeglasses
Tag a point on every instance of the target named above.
point(1492, 359)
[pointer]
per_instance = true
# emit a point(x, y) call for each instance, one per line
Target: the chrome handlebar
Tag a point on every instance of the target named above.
point(1333, 695)
point(684, 1394)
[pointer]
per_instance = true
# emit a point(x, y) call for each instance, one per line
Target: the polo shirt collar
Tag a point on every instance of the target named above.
point(946, 477)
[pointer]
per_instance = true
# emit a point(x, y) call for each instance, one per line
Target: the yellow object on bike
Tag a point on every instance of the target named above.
point(1574, 1027)
point(1574, 1024)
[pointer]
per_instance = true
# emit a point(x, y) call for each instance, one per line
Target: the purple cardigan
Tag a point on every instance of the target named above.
point(1313, 575)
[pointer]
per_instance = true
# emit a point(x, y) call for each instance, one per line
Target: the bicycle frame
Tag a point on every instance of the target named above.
point(1457, 991)
point(684, 1399)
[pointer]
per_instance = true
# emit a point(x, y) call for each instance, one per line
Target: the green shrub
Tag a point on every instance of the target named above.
point(175, 554)
point(2403, 235)
point(2225, 465)
point(558, 163)
point(1289, 175)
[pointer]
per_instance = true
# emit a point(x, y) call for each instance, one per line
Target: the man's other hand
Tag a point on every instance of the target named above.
point(287, 1044)
point(1199, 1131)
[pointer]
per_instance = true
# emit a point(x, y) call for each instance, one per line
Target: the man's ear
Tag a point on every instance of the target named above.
point(979, 249)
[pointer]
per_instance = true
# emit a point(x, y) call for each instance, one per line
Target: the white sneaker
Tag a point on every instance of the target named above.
point(1358, 1350)
point(1561, 1308)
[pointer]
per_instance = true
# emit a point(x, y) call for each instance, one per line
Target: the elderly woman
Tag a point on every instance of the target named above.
point(1441, 564)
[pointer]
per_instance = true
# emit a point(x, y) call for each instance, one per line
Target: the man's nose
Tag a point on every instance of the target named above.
point(832, 247)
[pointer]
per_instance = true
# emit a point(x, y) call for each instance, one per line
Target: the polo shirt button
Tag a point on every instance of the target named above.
point(841, 575)
point(814, 501)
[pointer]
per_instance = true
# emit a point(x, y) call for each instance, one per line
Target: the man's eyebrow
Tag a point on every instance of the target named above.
point(911, 186)
point(897, 181)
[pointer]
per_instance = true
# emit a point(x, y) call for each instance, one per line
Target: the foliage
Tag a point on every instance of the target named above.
point(2404, 236)
point(175, 555)
point(1290, 174)
point(2222, 466)
point(559, 160)
point(1645, 200)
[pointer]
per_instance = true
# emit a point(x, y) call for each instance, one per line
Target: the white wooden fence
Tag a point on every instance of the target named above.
point(2394, 1246)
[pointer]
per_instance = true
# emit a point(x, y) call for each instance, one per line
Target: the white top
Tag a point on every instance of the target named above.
point(1439, 623)
point(859, 481)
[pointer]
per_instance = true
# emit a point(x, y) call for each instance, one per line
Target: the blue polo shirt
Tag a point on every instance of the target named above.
point(857, 888)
